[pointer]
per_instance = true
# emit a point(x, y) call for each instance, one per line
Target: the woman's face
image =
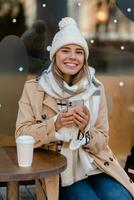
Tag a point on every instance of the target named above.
point(70, 60)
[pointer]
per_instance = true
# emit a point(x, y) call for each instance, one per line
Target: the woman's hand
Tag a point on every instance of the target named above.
point(65, 119)
point(81, 117)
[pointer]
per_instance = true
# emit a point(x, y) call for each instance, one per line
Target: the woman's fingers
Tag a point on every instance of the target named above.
point(80, 122)
point(81, 117)
point(78, 116)
point(82, 114)
point(80, 125)
point(65, 119)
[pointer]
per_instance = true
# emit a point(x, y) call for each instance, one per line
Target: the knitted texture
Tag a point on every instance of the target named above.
point(69, 33)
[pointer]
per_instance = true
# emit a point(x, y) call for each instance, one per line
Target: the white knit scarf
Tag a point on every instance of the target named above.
point(79, 163)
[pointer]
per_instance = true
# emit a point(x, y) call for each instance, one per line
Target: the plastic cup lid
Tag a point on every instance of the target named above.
point(25, 139)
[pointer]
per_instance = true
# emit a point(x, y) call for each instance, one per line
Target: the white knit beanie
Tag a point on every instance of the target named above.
point(69, 33)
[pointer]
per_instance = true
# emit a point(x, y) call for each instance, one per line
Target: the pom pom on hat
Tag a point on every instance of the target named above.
point(66, 21)
point(69, 33)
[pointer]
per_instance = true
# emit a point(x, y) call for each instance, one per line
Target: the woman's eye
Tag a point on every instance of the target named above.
point(65, 51)
point(79, 52)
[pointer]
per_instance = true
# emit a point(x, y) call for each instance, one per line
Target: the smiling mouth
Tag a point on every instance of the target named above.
point(70, 65)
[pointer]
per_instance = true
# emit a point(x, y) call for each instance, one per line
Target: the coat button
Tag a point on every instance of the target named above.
point(44, 116)
point(111, 159)
point(38, 121)
point(106, 164)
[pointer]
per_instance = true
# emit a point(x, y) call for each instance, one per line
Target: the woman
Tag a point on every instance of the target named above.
point(66, 110)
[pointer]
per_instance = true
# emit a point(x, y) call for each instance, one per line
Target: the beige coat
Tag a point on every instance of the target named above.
point(35, 117)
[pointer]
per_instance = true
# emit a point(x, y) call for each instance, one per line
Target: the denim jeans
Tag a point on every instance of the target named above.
point(95, 187)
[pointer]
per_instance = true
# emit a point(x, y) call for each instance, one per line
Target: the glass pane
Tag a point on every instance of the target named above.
point(110, 35)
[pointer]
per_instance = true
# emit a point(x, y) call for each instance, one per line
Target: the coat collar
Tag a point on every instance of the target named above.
point(48, 100)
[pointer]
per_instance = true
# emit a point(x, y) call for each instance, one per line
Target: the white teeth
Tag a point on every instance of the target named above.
point(71, 64)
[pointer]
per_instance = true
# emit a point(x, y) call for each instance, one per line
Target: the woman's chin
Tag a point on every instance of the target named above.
point(72, 72)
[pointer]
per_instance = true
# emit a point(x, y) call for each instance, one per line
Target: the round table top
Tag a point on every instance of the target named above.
point(45, 163)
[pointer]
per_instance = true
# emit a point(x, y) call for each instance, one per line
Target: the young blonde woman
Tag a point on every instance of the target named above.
point(67, 106)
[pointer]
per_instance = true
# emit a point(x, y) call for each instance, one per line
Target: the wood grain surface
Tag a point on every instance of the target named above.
point(45, 163)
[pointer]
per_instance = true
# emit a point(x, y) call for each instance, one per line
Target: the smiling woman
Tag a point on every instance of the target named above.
point(65, 110)
point(70, 60)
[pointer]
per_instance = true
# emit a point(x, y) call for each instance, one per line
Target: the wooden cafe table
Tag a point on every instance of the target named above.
point(46, 164)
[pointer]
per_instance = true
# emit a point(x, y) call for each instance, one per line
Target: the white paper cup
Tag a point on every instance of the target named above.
point(25, 146)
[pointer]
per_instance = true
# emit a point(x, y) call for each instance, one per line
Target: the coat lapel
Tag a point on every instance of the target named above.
point(46, 99)
point(50, 102)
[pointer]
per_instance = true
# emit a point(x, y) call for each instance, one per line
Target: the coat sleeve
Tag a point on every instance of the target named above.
point(99, 134)
point(26, 123)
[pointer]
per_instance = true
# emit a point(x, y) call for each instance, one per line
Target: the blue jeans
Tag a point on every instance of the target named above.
point(95, 187)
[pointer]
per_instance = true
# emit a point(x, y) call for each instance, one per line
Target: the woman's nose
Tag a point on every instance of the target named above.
point(72, 55)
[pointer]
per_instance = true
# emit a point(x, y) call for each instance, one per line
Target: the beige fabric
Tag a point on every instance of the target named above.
point(34, 103)
point(47, 188)
point(89, 94)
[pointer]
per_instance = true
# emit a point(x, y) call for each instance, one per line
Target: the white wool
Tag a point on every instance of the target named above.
point(69, 33)
point(66, 21)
